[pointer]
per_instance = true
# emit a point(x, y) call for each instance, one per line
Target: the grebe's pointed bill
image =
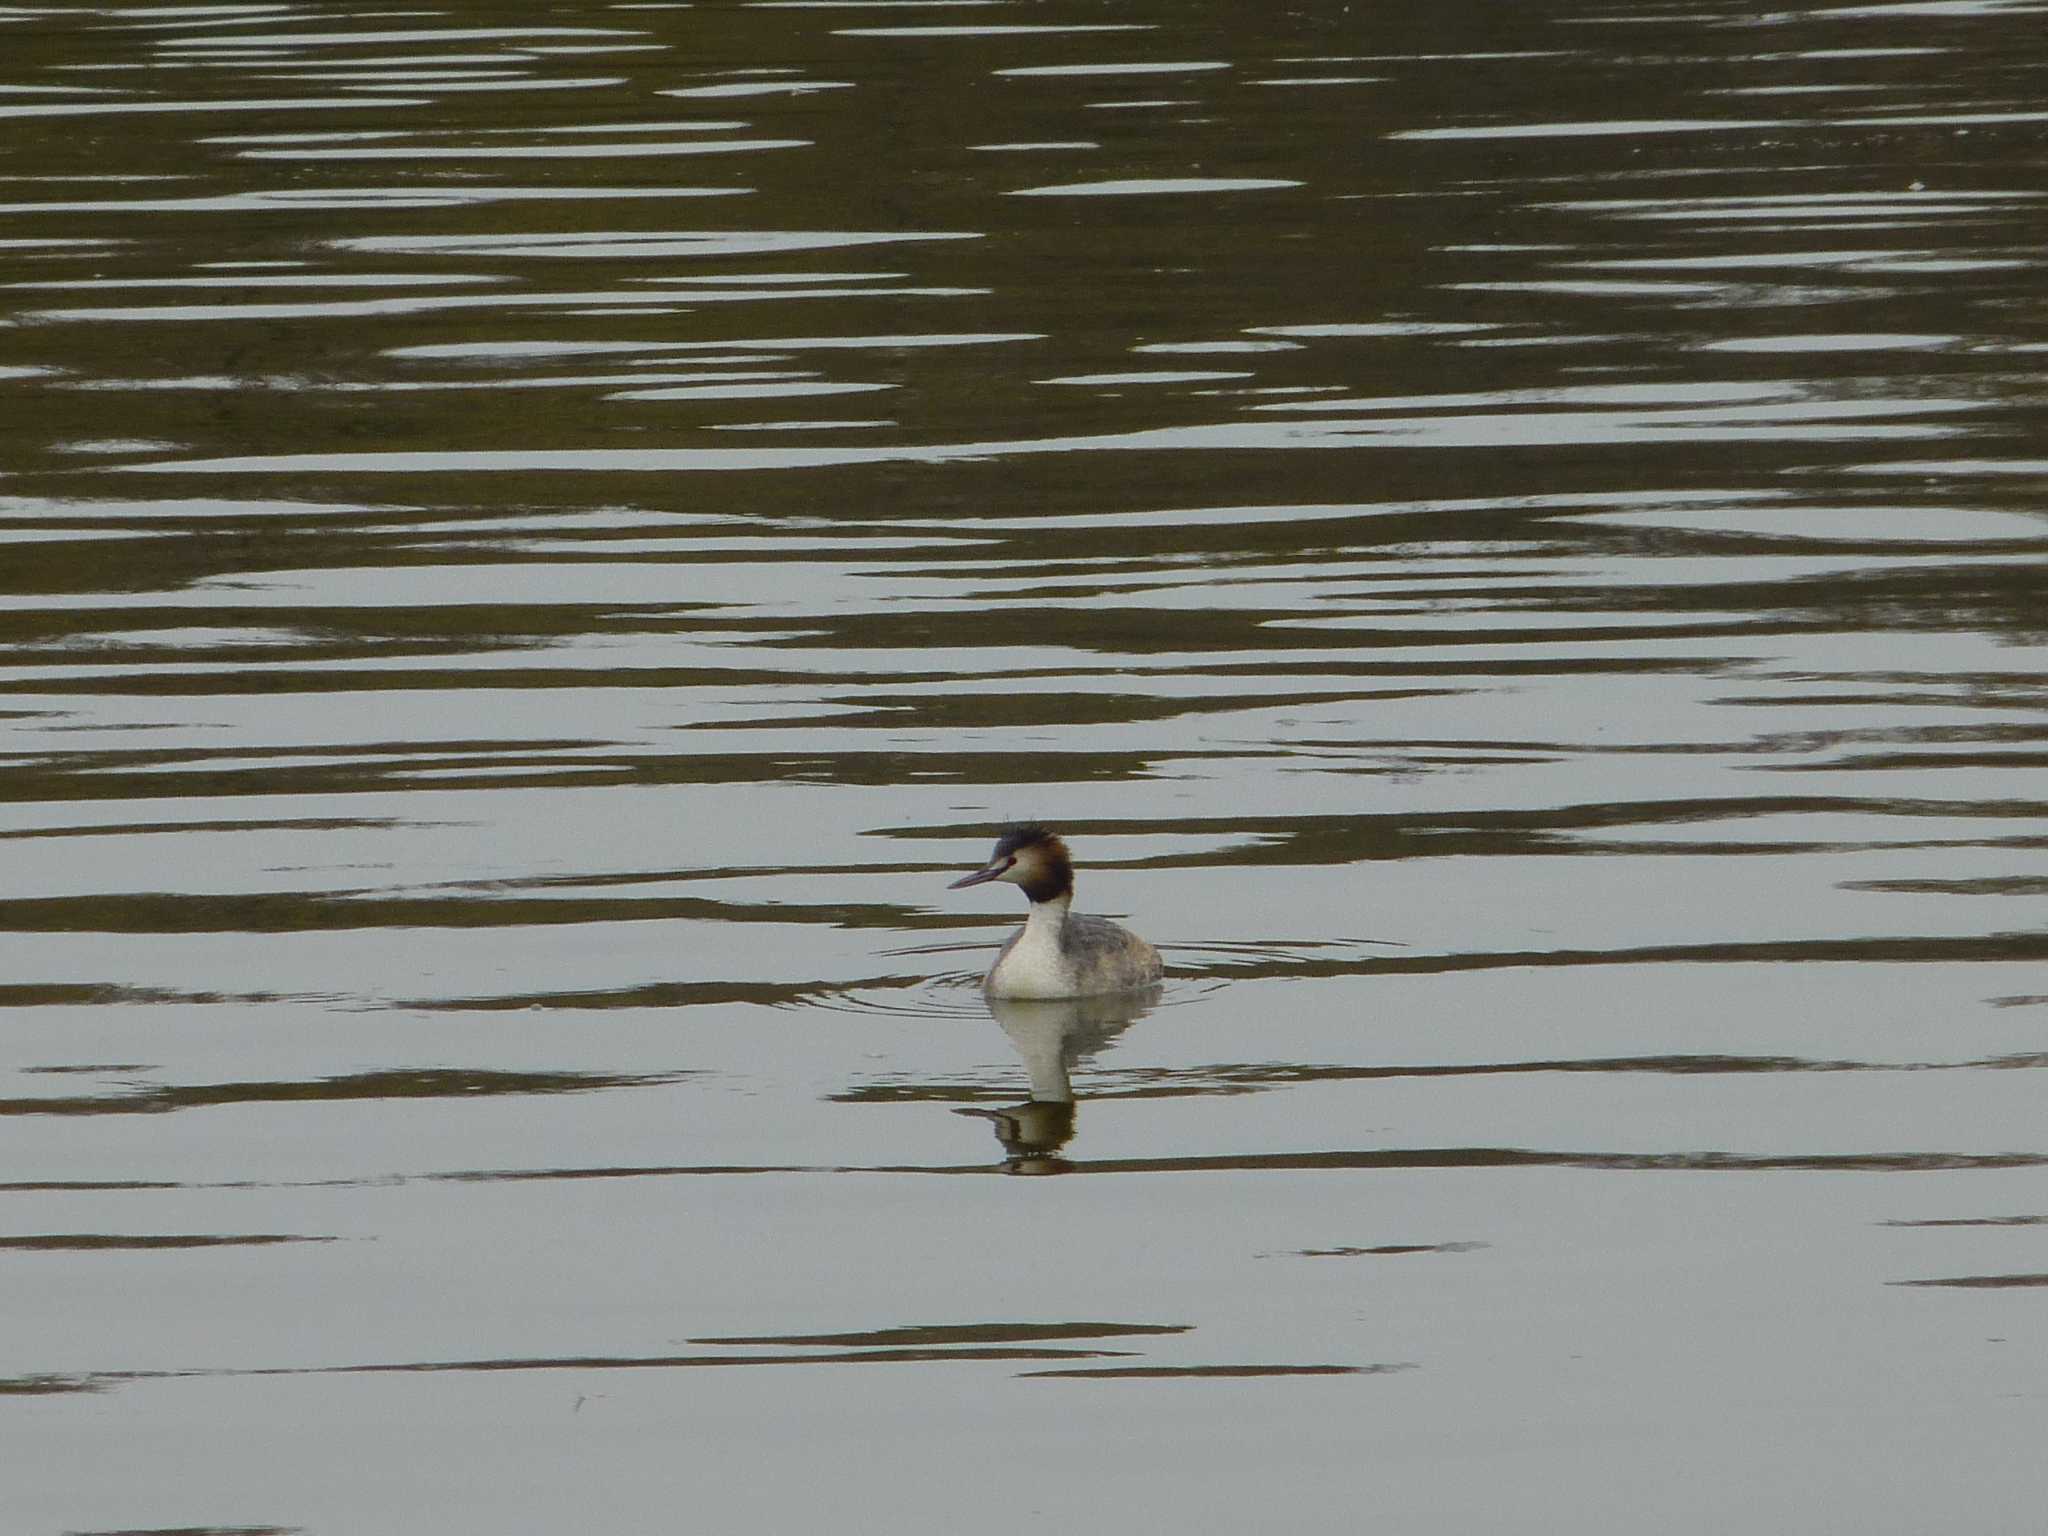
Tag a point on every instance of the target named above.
point(995, 871)
point(1027, 856)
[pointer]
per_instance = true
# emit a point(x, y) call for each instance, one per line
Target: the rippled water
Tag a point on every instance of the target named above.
point(1510, 539)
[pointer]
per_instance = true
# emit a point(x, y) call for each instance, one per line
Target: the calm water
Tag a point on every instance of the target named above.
point(536, 541)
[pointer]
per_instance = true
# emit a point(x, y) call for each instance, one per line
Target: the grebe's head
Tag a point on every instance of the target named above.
point(1031, 857)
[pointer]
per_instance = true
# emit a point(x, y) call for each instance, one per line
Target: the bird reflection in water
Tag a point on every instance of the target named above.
point(1054, 1035)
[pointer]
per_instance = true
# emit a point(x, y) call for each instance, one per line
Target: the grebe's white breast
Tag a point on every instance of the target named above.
point(1031, 963)
point(1059, 953)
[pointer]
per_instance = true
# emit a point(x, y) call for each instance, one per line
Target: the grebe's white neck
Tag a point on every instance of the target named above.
point(1032, 964)
point(1043, 921)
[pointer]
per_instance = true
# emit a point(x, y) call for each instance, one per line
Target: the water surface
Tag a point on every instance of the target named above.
point(1510, 539)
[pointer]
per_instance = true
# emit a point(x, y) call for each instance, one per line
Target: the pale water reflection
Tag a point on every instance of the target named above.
point(1051, 1037)
point(531, 545)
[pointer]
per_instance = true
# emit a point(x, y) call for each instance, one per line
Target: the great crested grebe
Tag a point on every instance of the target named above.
point(1057, 953)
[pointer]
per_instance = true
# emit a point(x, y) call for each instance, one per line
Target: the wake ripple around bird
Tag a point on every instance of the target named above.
point(1193, 971)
